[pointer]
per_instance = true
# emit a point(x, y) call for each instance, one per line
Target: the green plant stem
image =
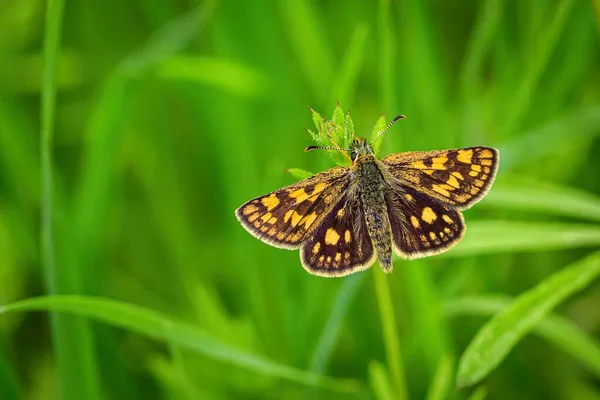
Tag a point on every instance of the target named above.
point(72, 340)
point(390, 334)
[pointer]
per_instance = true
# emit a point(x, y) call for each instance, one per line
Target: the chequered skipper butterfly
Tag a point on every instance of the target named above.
point(344, 218)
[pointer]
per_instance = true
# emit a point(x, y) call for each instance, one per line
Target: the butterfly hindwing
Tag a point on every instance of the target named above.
point(459, 177)
point(285, 217)
point(340, 245)
point(421, 225)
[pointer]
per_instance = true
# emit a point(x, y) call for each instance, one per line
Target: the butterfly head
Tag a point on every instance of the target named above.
point(359, 146)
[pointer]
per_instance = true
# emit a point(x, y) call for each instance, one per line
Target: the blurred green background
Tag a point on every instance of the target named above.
point(170, 114)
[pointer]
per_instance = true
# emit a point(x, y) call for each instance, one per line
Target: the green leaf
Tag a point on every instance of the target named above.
point(489, 236)
point(329, 336)
point(479, 394)
point(9, 384)
point(157, 325)
point(441, 386)
point(380, 381)
point(557, 330)
point(349, 129)
point(314, 136)
point(532, 74)
point(497, 337)
point(319, 124)
point(332, 129)
point(532, 195)
point(72, 338)
point(167, 41)
point(227, 75)
point(546, 140)
point(386, 61)
point(480, 42)
point(346, 79)
point(299, 173)
point(338, 115)
point(337, 129)
point(308, 38)
point(379, 126)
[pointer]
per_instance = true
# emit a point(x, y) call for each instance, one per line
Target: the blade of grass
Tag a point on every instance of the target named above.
point(544, 141)
point(183, 377)
point(441, 385)
point(390, 333)
point(104, 133)
point(481, 39)
point(543, 197)
point(497, 337)
point(308, 41)
point(347, 77)
point(18, 153)
point(167, 41)
point(597, 14)
point(479, 43)
point(160, 326)
point(521, 100)
point(227, 75)
point(555, 329)
point(380, 381)
point(71, 337)
point(387, 59)
point(9, 385)
point(490, 236)
point(428, 324)
point(479, 394)
point(329, 336)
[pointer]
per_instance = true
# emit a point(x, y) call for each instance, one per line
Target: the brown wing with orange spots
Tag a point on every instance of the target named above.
point(422, 226)
point(459, 177)
point(285, 217)
point(341, 243)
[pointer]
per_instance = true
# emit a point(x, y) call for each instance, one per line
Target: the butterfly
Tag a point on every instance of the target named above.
point(345, 218)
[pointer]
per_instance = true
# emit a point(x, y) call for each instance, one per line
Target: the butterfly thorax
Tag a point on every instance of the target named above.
point(371, 184)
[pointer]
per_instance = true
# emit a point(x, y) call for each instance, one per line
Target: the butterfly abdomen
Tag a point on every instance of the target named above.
point(372, 186)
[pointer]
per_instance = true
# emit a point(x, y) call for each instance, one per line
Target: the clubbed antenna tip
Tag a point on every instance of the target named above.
point(309, 148)
point(399, 117)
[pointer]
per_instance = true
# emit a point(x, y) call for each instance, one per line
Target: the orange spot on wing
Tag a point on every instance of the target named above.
point(465, 156)
point(428, 215)
point(331, 237)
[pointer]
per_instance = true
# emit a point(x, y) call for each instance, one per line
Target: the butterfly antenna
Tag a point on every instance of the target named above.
point(392, 122)
point(309, 148)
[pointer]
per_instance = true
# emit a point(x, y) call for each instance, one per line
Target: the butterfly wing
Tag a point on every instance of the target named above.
point(458, 177)
point(421, 225)
point(285, 217)
point(340, 245)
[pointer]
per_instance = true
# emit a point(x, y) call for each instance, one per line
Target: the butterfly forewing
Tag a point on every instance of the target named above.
point(458, 177)
point(285, 217)
point(340, 245)
point(421, 225)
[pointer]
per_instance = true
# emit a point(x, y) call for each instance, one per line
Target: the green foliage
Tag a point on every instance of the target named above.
point(441, 386)
point(130, 131)
point(160, 326)
point(557, 330)
point(499, 336)
point(339, 132)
